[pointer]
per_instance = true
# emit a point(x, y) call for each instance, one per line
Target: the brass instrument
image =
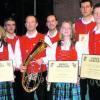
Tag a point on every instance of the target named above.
point(30, 82)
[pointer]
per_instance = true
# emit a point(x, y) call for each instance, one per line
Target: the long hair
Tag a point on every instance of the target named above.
point(72, 35)
point(3, 36)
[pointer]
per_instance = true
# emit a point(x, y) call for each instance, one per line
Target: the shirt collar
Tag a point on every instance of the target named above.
point(87, 22)
point(51, 36)
point(11, 36)
point(32, 35)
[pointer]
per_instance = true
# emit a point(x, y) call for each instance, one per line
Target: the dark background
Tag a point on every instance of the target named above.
point(19, 9)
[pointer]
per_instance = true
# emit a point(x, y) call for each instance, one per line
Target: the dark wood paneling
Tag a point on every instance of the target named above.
point(68, 9)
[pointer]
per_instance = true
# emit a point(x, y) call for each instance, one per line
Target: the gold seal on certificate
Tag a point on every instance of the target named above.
point(63, 71)
point(90, 66)
point(6, 71)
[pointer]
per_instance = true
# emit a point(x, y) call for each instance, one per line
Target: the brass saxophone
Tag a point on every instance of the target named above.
point(30, 82)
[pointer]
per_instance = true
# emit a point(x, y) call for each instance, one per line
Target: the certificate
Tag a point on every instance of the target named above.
point(63, 71)
point(90, 66)
point(6, 71)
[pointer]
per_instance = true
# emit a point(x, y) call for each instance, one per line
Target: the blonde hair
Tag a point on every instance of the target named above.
point(72, 29)
point(2, 30)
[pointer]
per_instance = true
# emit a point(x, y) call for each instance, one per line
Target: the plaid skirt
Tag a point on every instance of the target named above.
point(65, 91)
point(6, 91)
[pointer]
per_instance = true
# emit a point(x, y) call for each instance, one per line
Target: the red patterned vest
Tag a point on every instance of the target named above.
point(63, 55)
point(12, 42)
point(81, 28)
point(27, 45)
point(4, 53)
point(94, 43)
point(56, 38)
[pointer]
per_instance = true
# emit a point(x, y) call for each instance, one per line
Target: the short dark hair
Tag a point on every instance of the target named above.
point(82, 1)
point(96, 6)
point(53, 15)
point(9, 19)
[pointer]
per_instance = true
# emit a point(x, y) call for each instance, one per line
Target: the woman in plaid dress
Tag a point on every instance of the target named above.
point(64, 51)
point(6, 90)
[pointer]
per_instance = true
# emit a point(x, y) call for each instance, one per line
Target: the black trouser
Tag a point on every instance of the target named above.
point(41, 91)
point(83, 87)
point(18, 90)
point(94, 90)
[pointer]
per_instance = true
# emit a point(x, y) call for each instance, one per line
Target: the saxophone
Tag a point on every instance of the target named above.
point(30, 82)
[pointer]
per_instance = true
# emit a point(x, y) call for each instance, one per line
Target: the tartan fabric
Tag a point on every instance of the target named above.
point(65, 91)
point(6, 91)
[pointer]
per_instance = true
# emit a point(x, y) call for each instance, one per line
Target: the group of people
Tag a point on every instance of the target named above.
point(67, 44)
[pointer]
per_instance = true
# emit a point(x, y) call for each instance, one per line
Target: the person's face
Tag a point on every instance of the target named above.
point(10, 26)
point(86, 9)
point(31, 23)
point(51, 22)
point(96, 15)
point(66, 30)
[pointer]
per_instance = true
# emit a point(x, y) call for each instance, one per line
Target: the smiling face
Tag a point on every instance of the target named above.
point(96, 14)
point(66, 30)
point(31, 23)
point(51, 22)
point(10, 26)
point(86, 9)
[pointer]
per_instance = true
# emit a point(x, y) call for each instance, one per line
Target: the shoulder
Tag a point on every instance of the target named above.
point(41, 36)
point(22, 39)
point(78, 21)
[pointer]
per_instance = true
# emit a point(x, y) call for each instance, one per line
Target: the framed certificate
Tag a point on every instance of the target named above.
point(63, 71)
point(90, 66)
point(6, 71)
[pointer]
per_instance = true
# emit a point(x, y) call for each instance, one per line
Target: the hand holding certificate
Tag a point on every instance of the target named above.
point(63, 71)
point(6, 71)
point(90, 66)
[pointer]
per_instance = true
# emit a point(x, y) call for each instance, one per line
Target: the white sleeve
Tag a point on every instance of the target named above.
point(80, 50)
point(1, 47)
point(18, 57)
point(50, 53)
point(48, 41)
point(11, 55)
